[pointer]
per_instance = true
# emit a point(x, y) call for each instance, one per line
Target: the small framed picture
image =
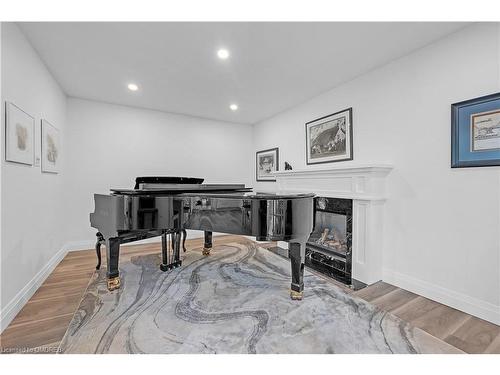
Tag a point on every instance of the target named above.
point(329, 138)
point(267, 161)
point(19, 135)
point(475, 132)
point(50, 148)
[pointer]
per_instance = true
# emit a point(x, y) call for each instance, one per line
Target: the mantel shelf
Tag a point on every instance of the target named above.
point(379, 169)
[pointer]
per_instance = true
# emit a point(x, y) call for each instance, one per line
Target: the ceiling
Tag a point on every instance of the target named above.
point(272, 66)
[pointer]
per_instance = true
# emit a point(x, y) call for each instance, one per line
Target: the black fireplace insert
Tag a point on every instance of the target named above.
point(329, 248)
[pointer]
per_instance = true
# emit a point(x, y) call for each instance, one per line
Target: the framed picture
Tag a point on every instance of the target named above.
point(267, 161)
point(329, 138)
point(50, 148)
point(19, 135)
point(475, 132)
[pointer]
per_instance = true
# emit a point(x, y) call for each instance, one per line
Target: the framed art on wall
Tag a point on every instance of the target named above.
point(19, 135)
point(267, 161)
point(475, 132)
point(329, 138)
point(50, 148)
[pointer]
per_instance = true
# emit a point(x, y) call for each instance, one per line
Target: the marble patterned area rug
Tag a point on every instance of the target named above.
point(234, 301)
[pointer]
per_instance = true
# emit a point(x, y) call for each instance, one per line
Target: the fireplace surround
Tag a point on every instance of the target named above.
point(364, 186)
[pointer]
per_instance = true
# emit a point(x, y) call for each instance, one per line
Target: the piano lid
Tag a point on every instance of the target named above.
point(163, 188)
point(147, 181)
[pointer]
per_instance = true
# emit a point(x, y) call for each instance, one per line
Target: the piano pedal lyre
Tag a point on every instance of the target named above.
point(114, 283)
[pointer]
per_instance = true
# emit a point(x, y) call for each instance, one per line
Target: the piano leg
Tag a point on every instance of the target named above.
point(176, 244)
point(100, 241)
point(207, 246)
point(297, 255)
point(112, 256)
point(164, 266)
point(184, 235)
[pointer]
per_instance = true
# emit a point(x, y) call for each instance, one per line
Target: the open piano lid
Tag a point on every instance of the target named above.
point(150, 181)
point(177, 185)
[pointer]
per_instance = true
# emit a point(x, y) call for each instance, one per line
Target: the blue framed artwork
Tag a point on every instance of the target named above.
point(475, 132)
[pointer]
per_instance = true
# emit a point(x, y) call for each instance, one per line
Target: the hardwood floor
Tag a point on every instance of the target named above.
point(466, 332)
point(42, 322)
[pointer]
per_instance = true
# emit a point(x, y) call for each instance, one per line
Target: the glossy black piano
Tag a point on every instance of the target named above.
point(167, 206)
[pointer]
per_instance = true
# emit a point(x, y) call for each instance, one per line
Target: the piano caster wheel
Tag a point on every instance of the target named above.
point(206, 251)
point(296, 296)
point(114, 283)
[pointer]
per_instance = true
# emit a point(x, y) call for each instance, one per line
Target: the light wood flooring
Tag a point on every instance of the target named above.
point(466, 332)
point(42, 322)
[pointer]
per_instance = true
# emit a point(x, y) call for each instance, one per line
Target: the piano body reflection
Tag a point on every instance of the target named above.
point(168, 206)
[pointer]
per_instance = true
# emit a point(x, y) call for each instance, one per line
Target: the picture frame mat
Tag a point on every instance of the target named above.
point(46, 127)
point(472, 135)
point(9, 114)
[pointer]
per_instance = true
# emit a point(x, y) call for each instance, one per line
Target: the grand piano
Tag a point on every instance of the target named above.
point(167, 206)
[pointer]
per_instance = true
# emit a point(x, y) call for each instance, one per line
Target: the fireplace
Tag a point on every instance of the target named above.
point(329, 248)
point(362, 189)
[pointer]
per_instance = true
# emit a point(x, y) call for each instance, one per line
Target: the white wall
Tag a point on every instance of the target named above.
point(109, 145)
point(32, 211)
point(441, 225)
point(103, 146)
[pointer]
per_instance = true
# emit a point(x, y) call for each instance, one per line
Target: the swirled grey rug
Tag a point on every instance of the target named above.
point(234, 301)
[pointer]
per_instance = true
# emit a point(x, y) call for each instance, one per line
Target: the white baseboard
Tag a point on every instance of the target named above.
point(9, 312)
point(79, 245)
point(90, 244)
point(482, 309)
point(283, 245)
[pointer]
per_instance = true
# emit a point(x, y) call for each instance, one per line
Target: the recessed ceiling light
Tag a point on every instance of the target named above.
point(133, 87)
point(223, 54)
point(233, 107)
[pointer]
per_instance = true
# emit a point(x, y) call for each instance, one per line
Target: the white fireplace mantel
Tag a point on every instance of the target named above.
point(365, 185)
point(353, 168)
point(364, 182)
